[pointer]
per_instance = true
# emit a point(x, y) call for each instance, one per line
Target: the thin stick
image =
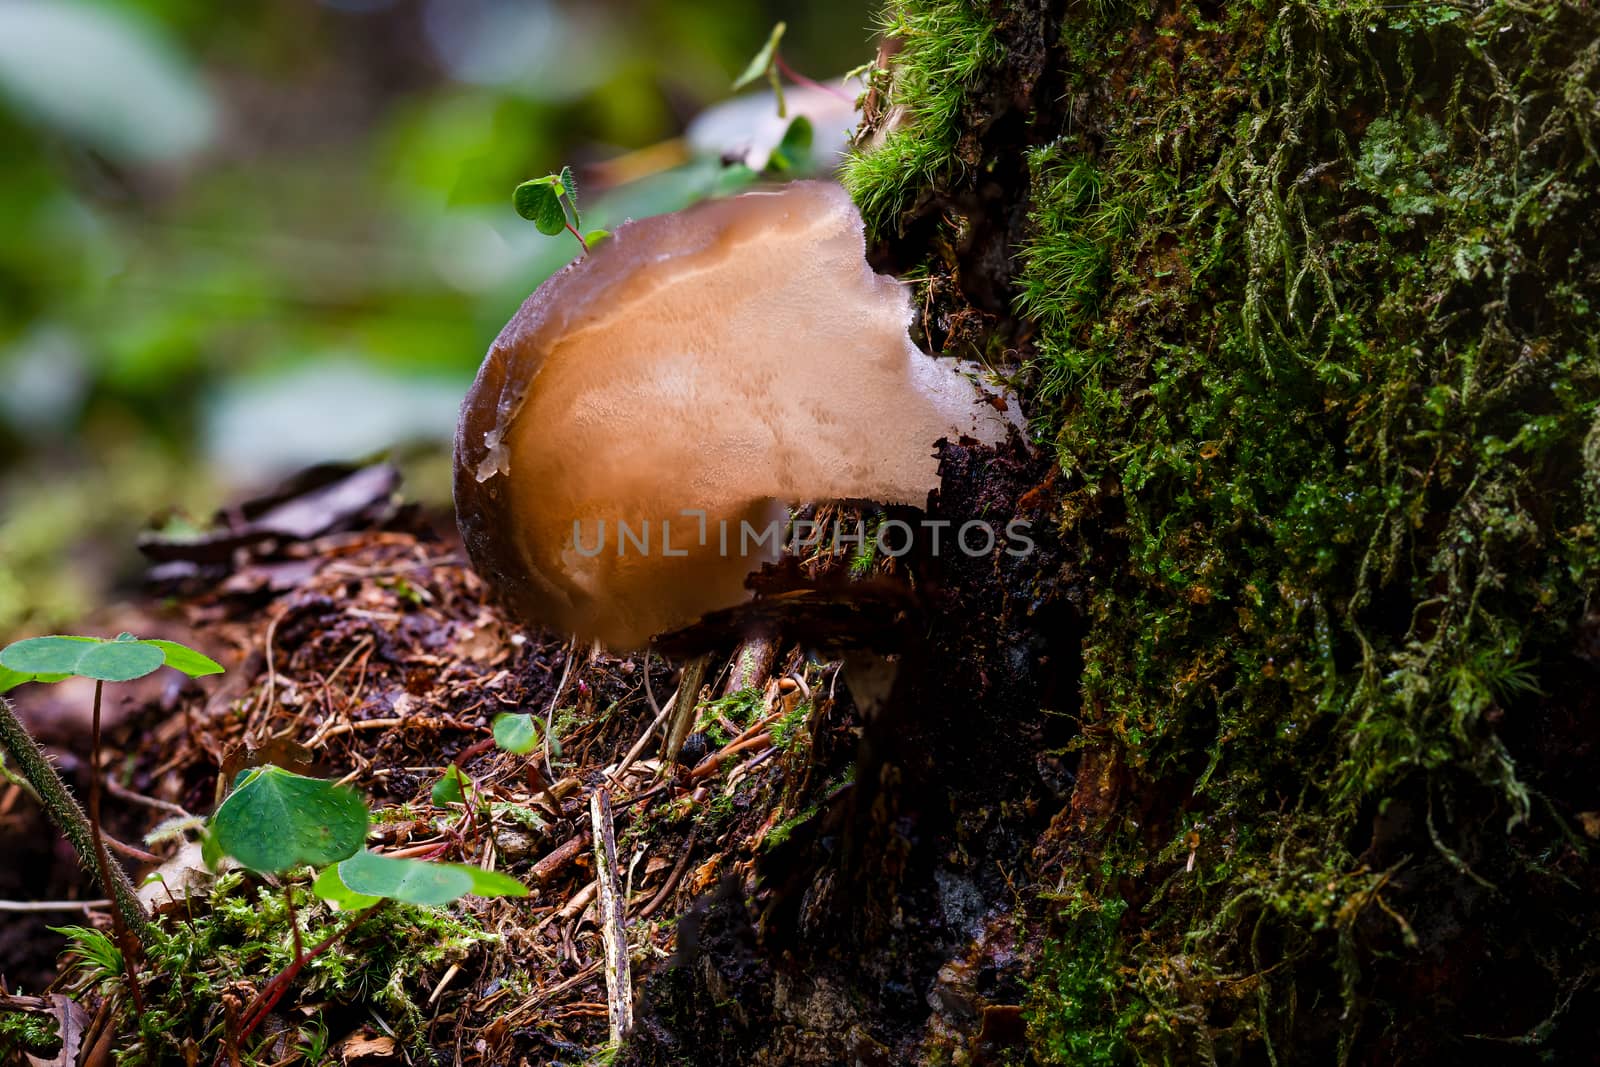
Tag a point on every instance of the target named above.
point(42, 906)
point(559, 857)
point(644, 738)
point(130, 945)
point(122, 792)
point(67, 815)
point(122, 848)
point(550, 713)
point(613, 909)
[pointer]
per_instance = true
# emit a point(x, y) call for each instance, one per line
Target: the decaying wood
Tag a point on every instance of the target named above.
point(613, 917)
point(694, 673)
point(562, 855)
point(751, 663)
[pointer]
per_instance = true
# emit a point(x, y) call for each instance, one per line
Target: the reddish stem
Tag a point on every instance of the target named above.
point(125, 938)
point(579, 236)
point(800, 79)
point(274, 990)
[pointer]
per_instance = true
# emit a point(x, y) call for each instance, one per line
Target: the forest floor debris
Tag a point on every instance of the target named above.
point(371, 657)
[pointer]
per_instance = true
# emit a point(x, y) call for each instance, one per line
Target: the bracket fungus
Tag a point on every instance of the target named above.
point(625, 456)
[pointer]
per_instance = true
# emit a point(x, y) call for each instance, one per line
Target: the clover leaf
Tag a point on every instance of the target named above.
point(275, 820)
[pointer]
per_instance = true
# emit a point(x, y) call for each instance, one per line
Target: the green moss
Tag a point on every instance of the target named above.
point(946, 45)
point(785, 829)
point(245, 938)
point(25, 1032)
point(1315, 343)
point(1077, 1010)
point(785, 729)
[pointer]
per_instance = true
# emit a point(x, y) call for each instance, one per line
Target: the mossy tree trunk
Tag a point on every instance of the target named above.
point(1302, 300)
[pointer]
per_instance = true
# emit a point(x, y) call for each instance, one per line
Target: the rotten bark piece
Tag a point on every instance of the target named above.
point(562, 855)
point(318, 501)
point(752, 662)
point(613, 909)
point(683, 709)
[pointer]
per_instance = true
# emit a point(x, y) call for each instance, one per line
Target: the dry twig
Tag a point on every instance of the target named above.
point(613, 917)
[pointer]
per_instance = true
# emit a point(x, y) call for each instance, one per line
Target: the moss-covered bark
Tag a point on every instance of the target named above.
point(1306, 298)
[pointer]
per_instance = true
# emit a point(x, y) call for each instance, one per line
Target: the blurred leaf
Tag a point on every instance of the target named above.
point(411, 881)
point(275, 819)
point(516, 733)
point(733, 179)
point(493, 883)
point(185, 659)
point(210, 850)
point(764, 59)
point(10, 679)
point(594, 237)
point(420, 881)
point(104, 77)
point(794, 151)
point(105, 661)
point(539, 203)
point(451, 789)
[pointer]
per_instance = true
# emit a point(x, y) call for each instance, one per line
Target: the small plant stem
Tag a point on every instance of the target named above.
point(800, 79)
point(579, 236)
point(125, 938)
point(274, 990)
point(294, 920)
point(69, 818)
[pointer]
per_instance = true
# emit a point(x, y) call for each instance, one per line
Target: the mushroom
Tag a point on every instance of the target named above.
point(641, 423)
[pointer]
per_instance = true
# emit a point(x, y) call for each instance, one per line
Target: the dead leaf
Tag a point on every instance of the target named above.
point(71, 1020)
point(185, 874)
point(367, 1049)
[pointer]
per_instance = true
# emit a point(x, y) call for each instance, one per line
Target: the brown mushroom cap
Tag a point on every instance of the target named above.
point(732, 358)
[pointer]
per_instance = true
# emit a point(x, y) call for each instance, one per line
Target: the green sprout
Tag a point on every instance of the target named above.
point(551, 203)
point(121, 659)
point(451, 788)
point(275, 821)
point(520, 734)
point(766, 64)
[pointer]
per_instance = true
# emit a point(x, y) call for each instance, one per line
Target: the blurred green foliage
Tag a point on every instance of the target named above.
point(197, 202)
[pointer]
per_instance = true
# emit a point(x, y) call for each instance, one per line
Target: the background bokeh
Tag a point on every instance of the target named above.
point(238, 239)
